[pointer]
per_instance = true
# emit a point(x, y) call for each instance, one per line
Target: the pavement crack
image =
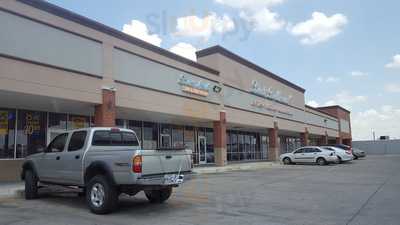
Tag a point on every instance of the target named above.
point(368, 200)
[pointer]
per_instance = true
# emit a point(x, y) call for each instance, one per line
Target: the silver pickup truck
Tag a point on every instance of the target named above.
point(103, 163)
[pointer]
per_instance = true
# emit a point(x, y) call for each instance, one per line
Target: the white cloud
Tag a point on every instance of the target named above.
point(358, 74)
point(194, 26)
point(329, 79)
point(384, 121)
point(395, 64)
point(139, 30)
point(250, 4)
point(346, 99)
point(313, 103)
point(184, 49)
point(392, 88)
point(263, 20)
point(257, 13)
point(319, 28)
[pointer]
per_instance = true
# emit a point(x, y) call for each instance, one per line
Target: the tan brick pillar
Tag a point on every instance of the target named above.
point(104, 115)
point(339, 140)
point(304, 138)
point(273, 143)
point(220, 140)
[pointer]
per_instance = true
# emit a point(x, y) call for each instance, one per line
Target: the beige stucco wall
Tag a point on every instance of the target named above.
point(241, 76)
point(239, 117)
point(27, 78)
point(144, 99)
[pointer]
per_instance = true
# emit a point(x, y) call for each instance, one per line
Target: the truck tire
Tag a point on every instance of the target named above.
point(31, 185)
point(101, 195)
point(159, 196)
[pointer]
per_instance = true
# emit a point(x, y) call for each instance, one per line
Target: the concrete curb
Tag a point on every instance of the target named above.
point(11, 190)
point(235, 167)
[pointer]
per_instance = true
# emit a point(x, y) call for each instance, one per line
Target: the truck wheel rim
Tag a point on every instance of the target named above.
point(97, 195)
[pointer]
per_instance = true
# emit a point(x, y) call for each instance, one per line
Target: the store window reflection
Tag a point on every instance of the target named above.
point(177, 136)
point(210, 145)
point(78, 122)
point(7, 132)
point(190, 143)
point(31, 133)
point(150, 135)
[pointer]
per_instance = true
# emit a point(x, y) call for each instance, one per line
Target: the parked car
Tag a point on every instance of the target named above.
point(105, 162)
point(358, 153)
point(343, 155)
point(310, 154)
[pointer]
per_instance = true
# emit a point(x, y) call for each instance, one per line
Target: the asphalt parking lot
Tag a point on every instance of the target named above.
point(364, 192)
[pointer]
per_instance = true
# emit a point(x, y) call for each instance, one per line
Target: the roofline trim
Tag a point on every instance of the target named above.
point(241, 60)
point(318, 110)
point(334, 106)
point(84, 21)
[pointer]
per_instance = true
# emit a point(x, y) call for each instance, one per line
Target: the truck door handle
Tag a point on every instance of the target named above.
point(58, 158)
point(168, 157)
point(77, 156)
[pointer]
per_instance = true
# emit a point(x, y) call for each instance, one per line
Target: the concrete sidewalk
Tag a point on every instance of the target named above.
point(10, 190)
point(235, 167)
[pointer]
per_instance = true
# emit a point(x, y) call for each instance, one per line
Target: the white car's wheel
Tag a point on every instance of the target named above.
point(321, 161)
point(287, 161)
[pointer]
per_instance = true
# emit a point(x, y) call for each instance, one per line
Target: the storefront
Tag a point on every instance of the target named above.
point(223, 107)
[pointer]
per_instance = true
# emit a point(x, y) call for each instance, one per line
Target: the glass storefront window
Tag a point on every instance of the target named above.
point(165, 136)
point(246, 146)
point(177, 137)
point(57, 121)
point(137, 127)
point(7, 133)
point(31, 133)
point(77, 122)
point(120, 123)
point(150, 135)
point(210, 145)
point(190, 143)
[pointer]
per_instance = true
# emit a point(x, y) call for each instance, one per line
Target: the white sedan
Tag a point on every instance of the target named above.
point(343, 155)
point(310, 154)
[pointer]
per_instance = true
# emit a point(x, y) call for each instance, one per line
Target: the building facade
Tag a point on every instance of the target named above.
point(61, 71)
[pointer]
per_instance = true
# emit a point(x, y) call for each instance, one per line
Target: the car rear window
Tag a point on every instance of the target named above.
point(112, 138)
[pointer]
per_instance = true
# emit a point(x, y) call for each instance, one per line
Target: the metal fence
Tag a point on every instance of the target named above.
point(378, 147)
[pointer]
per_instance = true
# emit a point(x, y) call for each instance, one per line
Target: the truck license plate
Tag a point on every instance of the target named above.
point(173, 179)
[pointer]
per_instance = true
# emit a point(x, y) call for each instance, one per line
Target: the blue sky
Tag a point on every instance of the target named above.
point(342, 52)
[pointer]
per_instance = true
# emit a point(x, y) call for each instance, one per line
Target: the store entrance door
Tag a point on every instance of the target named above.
point(202, 146)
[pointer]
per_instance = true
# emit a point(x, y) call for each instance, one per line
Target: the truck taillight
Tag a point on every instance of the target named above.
point(137, 164)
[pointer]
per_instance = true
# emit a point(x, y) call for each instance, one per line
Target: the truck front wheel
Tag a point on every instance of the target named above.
point(31, 185)
point(101, 195)
point(159, 196)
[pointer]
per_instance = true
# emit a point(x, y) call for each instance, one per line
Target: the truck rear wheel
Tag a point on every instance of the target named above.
point(31, 185)
point(101, 195)
point(159, 196)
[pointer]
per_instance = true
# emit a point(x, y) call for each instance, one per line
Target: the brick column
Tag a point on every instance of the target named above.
point(273, 143)
point(104, 115)
point(304, 138)
point(220, 140)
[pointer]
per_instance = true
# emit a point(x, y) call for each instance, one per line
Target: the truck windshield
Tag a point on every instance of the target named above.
point(111, 138)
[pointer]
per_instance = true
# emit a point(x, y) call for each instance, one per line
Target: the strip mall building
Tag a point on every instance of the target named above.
point(59, 71)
